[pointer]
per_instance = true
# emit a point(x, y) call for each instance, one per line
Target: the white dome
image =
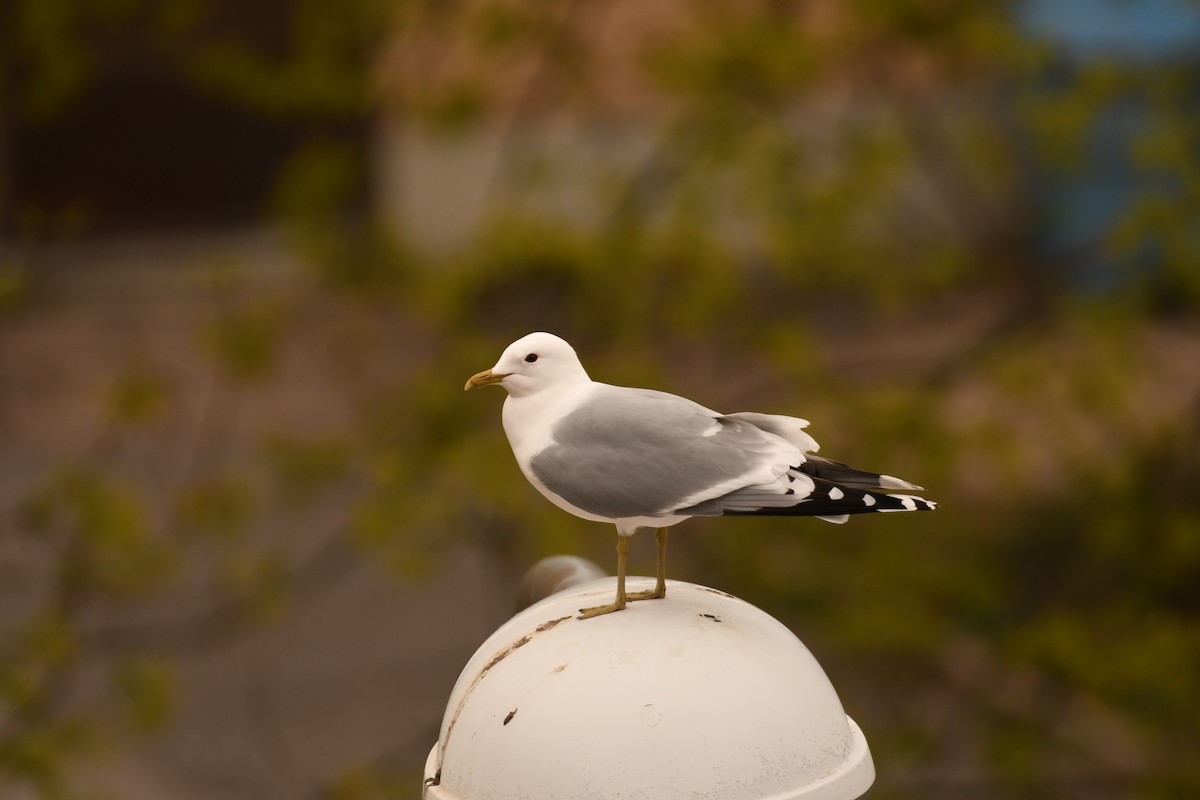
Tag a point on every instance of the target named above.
point(699, 695)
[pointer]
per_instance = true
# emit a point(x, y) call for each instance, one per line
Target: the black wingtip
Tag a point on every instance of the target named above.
point(831, 500)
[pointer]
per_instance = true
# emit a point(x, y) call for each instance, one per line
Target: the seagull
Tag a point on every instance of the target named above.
point(641, 458)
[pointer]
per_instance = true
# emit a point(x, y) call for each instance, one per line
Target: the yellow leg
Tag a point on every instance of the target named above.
point(660, 586)
point(619, 603)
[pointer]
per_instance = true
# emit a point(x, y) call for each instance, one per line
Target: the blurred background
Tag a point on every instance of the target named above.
point(251, 528)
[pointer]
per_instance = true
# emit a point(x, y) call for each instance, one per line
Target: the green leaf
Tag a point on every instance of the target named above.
point(13, 286)
point(49, 638)
point(117, 554)
point(220, 507)
point(138, 395)
point(261, 581)
point(149, 691)
point(246, 342)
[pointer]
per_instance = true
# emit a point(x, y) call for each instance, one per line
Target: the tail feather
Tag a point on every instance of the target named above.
point(828, 500)
point(849, 477)
point(846, 501)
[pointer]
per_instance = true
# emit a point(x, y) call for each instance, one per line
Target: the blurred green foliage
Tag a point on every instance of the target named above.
point(107, 545)
point(220, 507)
point(808, 176)
point(138, 395)
point(148, 690)
point(245, 342)
point(303, 467)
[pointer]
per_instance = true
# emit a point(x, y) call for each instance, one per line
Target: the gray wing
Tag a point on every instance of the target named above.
point(636, 452)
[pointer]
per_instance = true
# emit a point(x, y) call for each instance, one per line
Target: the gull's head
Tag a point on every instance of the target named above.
point(531, 364)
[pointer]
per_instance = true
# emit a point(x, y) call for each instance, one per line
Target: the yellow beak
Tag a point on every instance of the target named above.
point(485, 378)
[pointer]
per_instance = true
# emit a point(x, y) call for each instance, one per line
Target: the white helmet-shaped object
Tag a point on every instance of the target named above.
point(698, 695)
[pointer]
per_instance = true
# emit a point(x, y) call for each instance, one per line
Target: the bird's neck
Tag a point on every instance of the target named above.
point(527, 417)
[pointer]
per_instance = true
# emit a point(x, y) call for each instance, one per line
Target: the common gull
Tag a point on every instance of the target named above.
point(641, 458)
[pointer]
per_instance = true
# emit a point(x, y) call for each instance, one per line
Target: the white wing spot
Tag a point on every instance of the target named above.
point(908, 503)
point(714, 430)
point(836, 494)
point(868, 500)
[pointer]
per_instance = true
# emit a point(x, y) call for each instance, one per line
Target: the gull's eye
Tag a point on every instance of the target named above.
point(532, 357)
